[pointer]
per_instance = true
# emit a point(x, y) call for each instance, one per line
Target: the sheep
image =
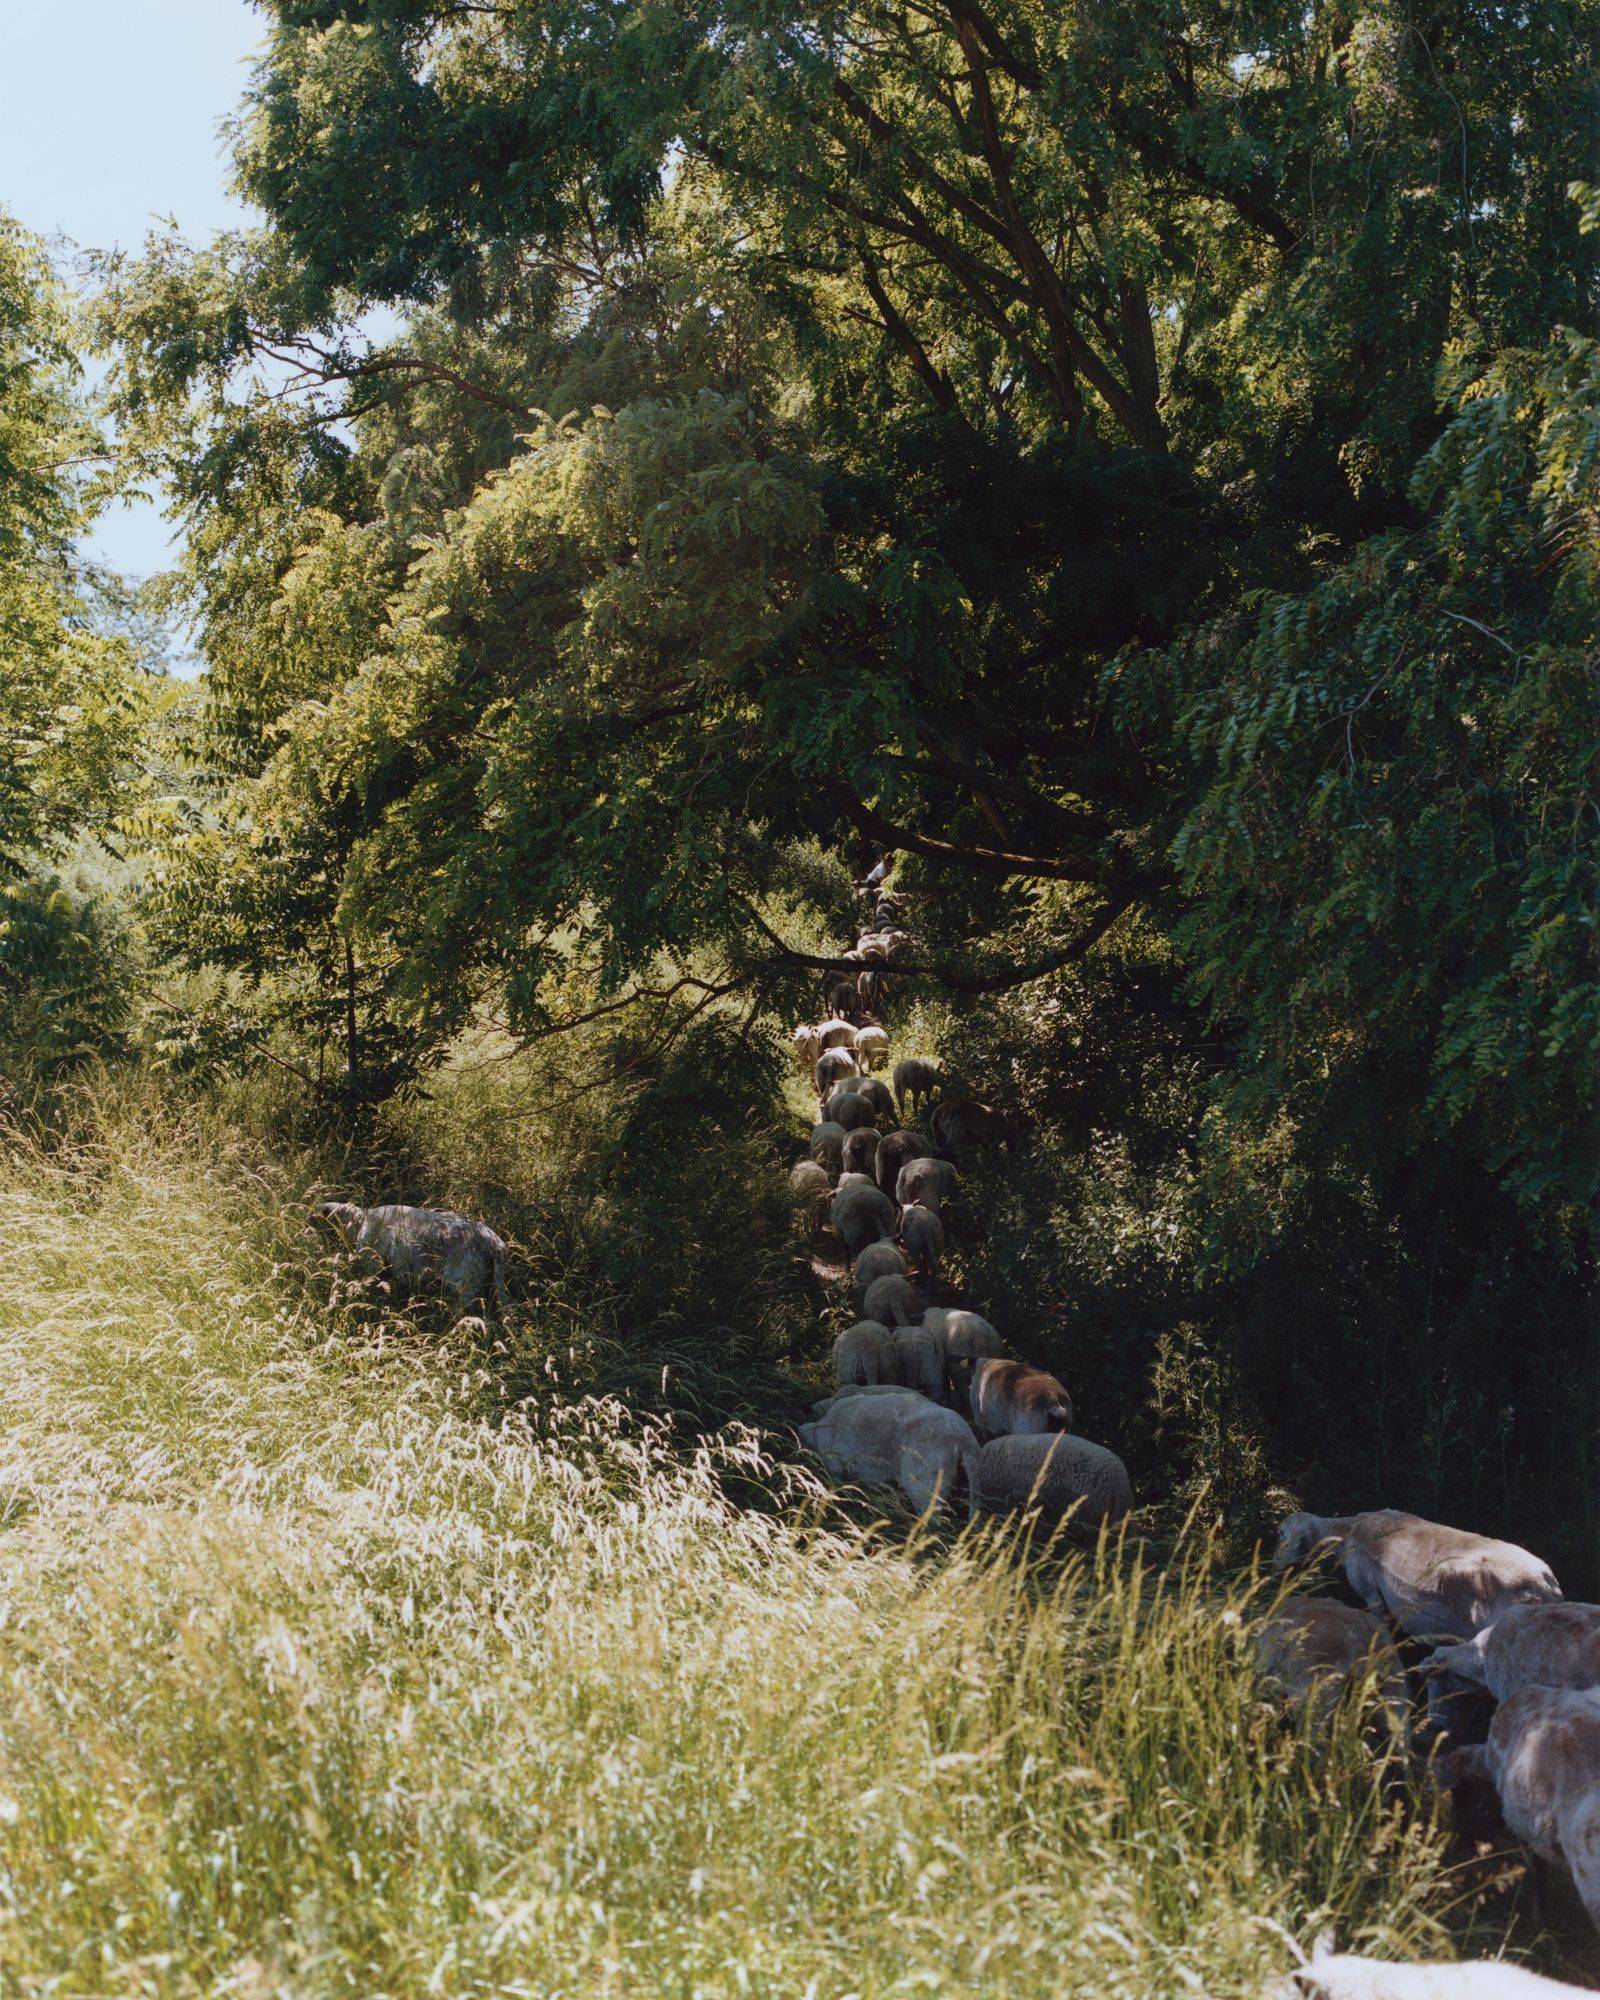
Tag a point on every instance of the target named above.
point(878, 1260)
point(966, 1337)
point(865, 1352)
point(1011, 1398)
point(861, 1151)
point(872, 1047)
point(921, 1359)
point(844, 999)
point(893, 1297)
point(1056, 1472)
point(851, 1110)
point(827, 1144)
point(927, 1182)
point(1435, 1582)
point(869, 991)
point(808, 1045)
point(1543, 1759)
point(963, 1121)
point(894, 1150)
point(425, 1250)
point(1311, 1646)
point(862, 1214)
point(923, 1235)
point(836, 1034)
point(833, 1066)
point(850, 1179)
point(1529, 1645)
point(877, 1095)
point(914, 1078)
point(883, 1437)
point(808, 1183)
point(1335, 1975)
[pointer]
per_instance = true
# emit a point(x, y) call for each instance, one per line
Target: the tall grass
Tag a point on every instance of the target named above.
point(327, 1669)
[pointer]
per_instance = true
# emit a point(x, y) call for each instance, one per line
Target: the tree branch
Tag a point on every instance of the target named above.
point(990, 860)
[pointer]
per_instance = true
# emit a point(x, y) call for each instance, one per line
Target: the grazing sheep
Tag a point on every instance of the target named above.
point(1543, 1759)
point(866, 1353)
point(893, 1298)
point(963, 1121)
point(928, 1182)
point(914, 1078)
point(1057, 1473)
point(1529, 1645)
point(877, 1095)
point(882, 1437)
point(872, 1047)
point(861, 1151)
point(966, 1337)
point(425, 1250)
point(1312, 1646)
point(808, 1183)
point(851, 1110)
point(1013, 1399)
point(878, 1260)
point(921, 1359)
point(1435, 1582)
point(1335, 1975)
point(923, 1235)
point(894, 1150)
point(836, 1034)
point(827, 1144)
point(862, 1214)
point(833, 1066)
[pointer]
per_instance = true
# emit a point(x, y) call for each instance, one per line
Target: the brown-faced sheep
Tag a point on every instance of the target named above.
point(1057, 1473)
point(1013, 1399)
point(1435, 1582)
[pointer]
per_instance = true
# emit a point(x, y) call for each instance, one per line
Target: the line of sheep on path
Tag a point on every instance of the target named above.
point(928, 1401)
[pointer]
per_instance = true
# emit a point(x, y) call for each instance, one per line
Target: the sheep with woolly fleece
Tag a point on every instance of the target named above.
point(915, 1078)
point(1333, 1975)
point(872, 1047)
point(865, 1353)
point(966, 1336)
point(833, 1066)
point(827, 1145)
point(893, 1299)
point(876, 1092)
point(851, 1110)
point(862, 1214)
point(878, 1260)
point(1057, 1473)
point(1014, 1399)
point(1543, 1759)
point(960, 1122)
point(923, 1235)
point(425, 1250)
point(895, 1149)
point(836, 1033)
point(921, 1359)
point(885, 1437)
point(1435, 1582)
point(927, 1183)
point(861, 1151)
point(808, 1184)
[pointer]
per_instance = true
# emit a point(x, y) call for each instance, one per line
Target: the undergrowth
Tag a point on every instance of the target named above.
point(346, 1654)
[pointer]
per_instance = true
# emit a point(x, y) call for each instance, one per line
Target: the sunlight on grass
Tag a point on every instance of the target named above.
point(326, 1671)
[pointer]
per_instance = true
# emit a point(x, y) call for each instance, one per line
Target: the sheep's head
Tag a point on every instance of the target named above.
point(343, 1217)
point(1299, 1537)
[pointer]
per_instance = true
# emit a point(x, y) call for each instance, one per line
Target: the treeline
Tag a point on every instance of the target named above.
point(1137, 464)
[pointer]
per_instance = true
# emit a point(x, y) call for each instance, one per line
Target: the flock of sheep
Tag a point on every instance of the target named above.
point(927, 1400)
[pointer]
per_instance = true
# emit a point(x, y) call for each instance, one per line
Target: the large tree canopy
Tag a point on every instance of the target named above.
point(782, 425)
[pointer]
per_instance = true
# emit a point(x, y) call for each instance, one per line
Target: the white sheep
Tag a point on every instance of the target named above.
point(878, 1260)
point(1543, 1759)
point(808, 1184)
point(1057, 1473)
point(1313, 1646)
point(923, 1235)
point(1335, 1975)
point(883, 1437)
point(865, 1353)
point(921, 1359)
point(835, 1034)
point(862, 1214)
point(893, 1299)
point(1435, 1582)
point(827, 1144)
point(425, 1250)
point(1529, 1645)
point(872, 1047)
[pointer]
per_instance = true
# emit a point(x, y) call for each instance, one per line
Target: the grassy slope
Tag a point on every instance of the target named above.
point(322, 1671)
